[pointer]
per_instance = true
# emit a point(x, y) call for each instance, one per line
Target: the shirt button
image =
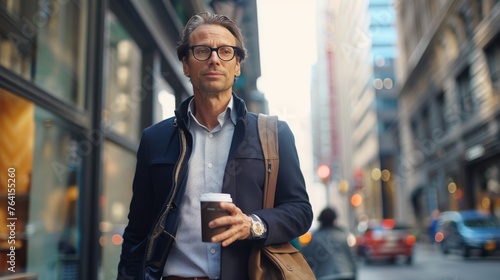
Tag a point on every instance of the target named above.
point(212, 251)
point(210, 135)
point(210, 165)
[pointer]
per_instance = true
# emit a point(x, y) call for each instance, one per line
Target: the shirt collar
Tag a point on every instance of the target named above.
point(229, 113)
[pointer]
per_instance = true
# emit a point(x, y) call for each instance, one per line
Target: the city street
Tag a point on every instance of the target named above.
point(432, 265)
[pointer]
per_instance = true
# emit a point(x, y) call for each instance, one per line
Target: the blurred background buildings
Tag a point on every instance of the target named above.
point(448, 94)
point(355, 113)
point(404, 114)
point(406, 108)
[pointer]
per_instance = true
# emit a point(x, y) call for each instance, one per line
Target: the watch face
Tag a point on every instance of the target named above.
point(258, 229)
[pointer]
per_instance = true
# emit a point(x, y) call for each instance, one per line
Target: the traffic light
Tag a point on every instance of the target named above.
point(323, 172)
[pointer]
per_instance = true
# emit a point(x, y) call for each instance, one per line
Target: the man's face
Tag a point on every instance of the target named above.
point(214, 75)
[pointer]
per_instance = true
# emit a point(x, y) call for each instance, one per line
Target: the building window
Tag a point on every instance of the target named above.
point(451, 44)
point(460, 28)
point(123, 88)
point(465, 94)
point(486, 6)
point(119, 165)
point(45, 156)
point(426, 126)
point(441, 112)
point(164, 103)
point(415, 133)
point(16, 50)
point(44, 42)
point(387, 104)
point(493, 58)
point(385, 126)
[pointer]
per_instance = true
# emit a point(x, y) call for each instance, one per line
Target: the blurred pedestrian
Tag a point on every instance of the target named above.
point(433, 226)
point(210, 145)
point(328, 253)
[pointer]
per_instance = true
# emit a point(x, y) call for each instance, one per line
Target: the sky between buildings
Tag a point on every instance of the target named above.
point(287, 38)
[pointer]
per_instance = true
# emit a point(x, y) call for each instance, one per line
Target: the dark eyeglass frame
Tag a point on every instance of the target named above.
point(236, 50)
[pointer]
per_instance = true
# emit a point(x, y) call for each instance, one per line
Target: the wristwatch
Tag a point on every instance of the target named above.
point(258, 228)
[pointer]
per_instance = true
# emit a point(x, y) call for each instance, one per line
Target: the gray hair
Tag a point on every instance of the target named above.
point(208, 18)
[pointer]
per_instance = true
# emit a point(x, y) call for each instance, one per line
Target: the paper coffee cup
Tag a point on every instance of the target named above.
point(209, 203)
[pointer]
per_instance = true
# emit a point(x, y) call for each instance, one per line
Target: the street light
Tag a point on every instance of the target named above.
point(356, 200)
point(343, 186)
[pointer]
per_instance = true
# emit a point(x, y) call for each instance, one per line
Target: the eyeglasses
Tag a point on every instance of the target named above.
point(203, 53)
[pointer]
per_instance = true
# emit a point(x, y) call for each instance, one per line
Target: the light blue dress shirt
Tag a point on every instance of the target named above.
point(190, 257)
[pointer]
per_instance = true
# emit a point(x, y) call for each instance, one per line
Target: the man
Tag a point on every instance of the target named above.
point(211, 145)
point(328, 253)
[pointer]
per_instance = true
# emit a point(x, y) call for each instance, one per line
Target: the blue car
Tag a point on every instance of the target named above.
point(466, 232)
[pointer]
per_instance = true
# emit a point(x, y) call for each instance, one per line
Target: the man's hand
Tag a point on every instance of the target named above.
point(239, 225)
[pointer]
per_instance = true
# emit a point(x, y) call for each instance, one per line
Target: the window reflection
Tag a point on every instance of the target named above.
point(164, 105)
point(47, 228)
point(123, 90)
point(16, 143)
point(119, 165)
point(44, 41)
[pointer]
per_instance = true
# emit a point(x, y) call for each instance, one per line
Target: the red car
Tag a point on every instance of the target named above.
point(385, 239)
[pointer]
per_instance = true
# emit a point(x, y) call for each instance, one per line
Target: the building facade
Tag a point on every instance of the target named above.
point(374, 117)
point(340, 54)
point(449, 105)
point(79, 81)
point(355, 106)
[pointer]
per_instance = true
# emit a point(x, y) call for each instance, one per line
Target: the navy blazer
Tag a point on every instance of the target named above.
point(161, 176)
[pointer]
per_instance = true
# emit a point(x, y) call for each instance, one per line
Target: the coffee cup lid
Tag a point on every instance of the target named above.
point(223, 197)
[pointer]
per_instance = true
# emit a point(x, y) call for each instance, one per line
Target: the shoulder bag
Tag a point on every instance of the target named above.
point(280, 261)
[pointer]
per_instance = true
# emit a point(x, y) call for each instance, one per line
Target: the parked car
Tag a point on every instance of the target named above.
point(385, 239)
point(466, 232)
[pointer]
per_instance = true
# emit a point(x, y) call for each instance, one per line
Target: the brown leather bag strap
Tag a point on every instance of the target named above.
point(268, 134)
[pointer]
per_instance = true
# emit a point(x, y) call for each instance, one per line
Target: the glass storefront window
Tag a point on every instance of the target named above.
point(44, 42)
point(124, 91)
point(15, 50)
point(164, 103)
point(43, 157)
point(119, 166)
point(486, 186)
